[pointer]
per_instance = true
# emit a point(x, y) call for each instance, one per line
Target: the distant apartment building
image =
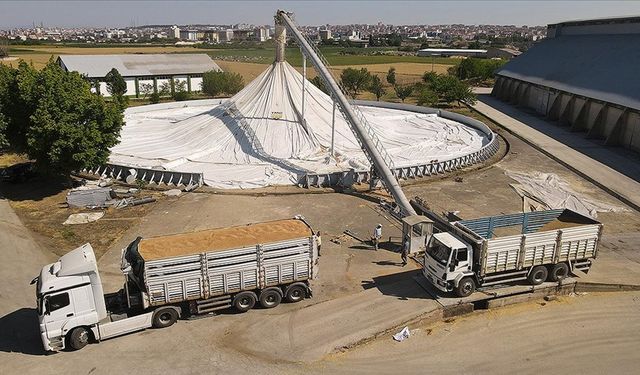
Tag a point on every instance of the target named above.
point(261, 34)
point(189, 35)
point(175, 32)
point(325, 34)
point(141, 69)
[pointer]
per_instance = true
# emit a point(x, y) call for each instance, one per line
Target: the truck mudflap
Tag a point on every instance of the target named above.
point(583, 265)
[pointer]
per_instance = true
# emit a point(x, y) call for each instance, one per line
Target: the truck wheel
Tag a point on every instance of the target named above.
point(164, 318)
point(296, 293)
point(79, 338)
point(270, 298)
point(244, 301)
point(559, 272)
point(537, 275)
point(466, 287)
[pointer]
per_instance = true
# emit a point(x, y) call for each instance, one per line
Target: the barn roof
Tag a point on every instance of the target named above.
point(602, 67)
point(97, 66)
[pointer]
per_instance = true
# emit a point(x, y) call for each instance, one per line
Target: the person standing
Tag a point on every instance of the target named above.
point(319, 242)
point(405, 251)
point(377, 235)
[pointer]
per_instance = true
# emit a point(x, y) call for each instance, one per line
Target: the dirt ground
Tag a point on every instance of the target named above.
point(41, 206)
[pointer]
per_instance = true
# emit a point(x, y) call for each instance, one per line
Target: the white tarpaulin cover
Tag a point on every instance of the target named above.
point(543, 191)
point(273, 147)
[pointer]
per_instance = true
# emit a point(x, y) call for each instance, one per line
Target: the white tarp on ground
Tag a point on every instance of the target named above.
point(277, 148)
point(543, 191)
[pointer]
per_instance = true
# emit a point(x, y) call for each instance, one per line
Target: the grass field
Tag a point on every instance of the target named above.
point(40, 55)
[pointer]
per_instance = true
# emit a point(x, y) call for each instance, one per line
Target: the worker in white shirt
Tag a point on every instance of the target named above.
point(377, 235)
point(319, 241)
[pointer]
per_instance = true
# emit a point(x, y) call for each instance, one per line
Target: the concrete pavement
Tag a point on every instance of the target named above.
point(570, 149)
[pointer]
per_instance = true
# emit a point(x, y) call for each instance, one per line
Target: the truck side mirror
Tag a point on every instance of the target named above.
point(452, 267)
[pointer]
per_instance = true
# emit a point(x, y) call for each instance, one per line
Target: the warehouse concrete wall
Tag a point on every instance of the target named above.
point(613, 124)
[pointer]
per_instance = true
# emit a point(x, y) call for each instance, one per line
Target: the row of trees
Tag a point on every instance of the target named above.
point(214, 83)
point(53, 117)
point(434, 89)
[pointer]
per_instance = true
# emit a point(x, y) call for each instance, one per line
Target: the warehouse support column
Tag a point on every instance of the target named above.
point(304, 78)
point(333, 126)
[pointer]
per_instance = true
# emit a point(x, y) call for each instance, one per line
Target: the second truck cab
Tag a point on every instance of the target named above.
point(447, 260)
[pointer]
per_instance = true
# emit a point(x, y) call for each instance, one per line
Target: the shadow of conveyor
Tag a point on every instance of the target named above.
point(19, 333)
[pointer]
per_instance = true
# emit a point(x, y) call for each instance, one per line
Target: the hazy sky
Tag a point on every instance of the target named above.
point(126, 13)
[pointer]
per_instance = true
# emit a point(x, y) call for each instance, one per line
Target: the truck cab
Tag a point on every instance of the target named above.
point(69, 295)
point(447, 261)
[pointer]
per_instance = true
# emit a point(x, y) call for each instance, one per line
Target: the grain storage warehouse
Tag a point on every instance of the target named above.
point(584, 76)
point(139, 69)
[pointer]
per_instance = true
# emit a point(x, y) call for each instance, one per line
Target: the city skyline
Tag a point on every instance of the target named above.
point(110, 14)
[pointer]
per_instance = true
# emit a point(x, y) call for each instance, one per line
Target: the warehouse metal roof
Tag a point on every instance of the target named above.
point(97, 66)
point(602, 67)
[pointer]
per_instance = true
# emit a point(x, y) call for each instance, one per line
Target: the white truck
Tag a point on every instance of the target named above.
point(175, 276)
point(533, 246)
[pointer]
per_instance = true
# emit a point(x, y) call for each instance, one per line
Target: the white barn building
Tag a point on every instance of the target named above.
point(139, 69)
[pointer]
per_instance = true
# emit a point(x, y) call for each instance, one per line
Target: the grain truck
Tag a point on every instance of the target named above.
point(533, 246)
point(175, 276)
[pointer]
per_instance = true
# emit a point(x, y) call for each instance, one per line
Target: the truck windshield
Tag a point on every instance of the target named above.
point(439, 252)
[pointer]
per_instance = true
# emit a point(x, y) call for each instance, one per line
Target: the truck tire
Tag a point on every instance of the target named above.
point(164, 318)
point(270, 298)
point(244, 301)
point(537, 275)
point(79, 338)
point(558, 272)
point(296, 293)
point(465, 287)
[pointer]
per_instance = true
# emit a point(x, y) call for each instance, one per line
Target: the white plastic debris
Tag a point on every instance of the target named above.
point(543, 191)
point(173, 193)
point(402, 335)
point(83, 218)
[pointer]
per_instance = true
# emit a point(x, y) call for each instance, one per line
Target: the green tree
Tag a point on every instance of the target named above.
point(449, 89)
point(215, 83)
point(3, 130)
point(476, 69)
point(164, 89)
point(429, 77)
point(117, 87)
point(355, 80)
point(66, 127)
point(180, 91)
point(146, 89)
point(235, 83)
point(319, 83)
point(391, 76)
point(4, 48)
point(375, 87)
point(19, 97)
point(403, 91)
point(426, 97)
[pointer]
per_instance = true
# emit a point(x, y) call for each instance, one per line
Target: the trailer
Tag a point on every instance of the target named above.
point(496, 250)
point(175, 276)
